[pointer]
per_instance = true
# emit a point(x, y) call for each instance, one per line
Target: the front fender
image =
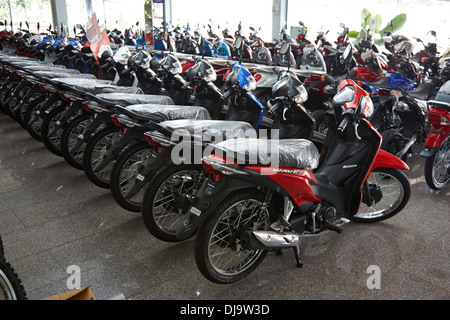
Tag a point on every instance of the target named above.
point(385, 159)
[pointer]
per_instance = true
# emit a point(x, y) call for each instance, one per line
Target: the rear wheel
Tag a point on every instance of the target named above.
point(390, 190)
point(69, 138)
point(53, 142)
point(124, 172)
point(437, 167)
point(393, 142)
point(321, 125)
point(218, 253)
point(32, 121)
point(162, 216)
point(93, 154)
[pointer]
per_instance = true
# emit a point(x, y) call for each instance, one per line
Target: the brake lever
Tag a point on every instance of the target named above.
point(355, 126)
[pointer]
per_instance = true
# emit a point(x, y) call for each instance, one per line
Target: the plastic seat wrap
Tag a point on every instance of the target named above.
point(210, 130)
point(34, 67)
point(126, 99)
point(96, 86)
point(289, 153)
point(63, 74)
point(160, 113)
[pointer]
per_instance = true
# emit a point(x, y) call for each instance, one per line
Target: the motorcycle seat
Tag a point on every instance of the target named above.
point(208, 131)
point(279, 154)
point(422, 92)
point(382, 83)
point(159, 113)
point(127, 99)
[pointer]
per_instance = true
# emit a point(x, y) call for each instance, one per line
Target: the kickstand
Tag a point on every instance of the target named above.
point(297, 257)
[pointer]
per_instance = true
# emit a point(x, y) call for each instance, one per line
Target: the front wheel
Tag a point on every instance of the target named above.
point(390, 191)
point(437, 167)
point(218, 253)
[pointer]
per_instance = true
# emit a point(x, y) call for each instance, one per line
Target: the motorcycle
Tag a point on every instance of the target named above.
point(261, 54)
point(437, 145)
point(265, 195)
point(174, 182)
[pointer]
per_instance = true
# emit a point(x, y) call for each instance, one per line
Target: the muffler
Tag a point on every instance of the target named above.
point(260, 240)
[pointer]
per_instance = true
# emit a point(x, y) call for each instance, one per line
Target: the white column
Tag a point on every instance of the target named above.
point(279, 14)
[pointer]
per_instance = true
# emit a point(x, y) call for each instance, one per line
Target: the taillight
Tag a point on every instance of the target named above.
point(257, 77)
point(86, 107)
point(437, 119)
point(149, 140)
point(220, 169)
point(116, 121)
point(42, 88)
point(63, 97)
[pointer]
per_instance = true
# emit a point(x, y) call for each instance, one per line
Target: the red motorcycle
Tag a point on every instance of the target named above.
point(269, 194)
point(437, 145)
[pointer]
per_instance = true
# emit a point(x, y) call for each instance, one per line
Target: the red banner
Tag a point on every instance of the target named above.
point(96, 37)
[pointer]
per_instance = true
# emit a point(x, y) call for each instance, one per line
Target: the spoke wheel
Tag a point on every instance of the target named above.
point(161, 213)
point(437, 167)
point(390, 190)
point(219, 255)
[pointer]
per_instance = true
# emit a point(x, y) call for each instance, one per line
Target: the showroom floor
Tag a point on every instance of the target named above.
point(52, 217)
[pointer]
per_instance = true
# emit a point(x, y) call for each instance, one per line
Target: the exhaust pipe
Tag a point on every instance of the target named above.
point(261, 240)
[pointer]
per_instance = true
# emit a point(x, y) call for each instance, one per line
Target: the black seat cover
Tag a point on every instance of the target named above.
point(382, 83)
point(289, 153)
point(422, 92)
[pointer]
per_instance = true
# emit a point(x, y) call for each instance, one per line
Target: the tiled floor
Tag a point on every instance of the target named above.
point(52, 217)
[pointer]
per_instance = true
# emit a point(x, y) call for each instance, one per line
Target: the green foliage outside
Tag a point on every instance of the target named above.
point(371, 24)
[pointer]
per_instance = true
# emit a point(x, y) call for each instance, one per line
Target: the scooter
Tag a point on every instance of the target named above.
point(266, 195)
point(437, 146)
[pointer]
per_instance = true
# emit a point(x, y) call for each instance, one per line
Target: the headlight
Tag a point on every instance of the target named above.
point(302, 97)
point(212, 76)
point(345, 95)
point(251, 84)
point(366, 107)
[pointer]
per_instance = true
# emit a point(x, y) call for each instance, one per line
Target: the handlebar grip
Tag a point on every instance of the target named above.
point(344, 124)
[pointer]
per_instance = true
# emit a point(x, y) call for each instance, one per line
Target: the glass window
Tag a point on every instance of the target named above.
point(227, 14)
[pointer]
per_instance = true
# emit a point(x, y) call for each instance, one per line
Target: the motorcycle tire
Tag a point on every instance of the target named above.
point(217, 234)
point(92, 154)
point(320, 116)
point(124, 171)
point(53, 144)
point(163, 225)
point(437, 175)
point(393, 142)
point(382, 182)
point(11, 287)
point(69, 137)
point(34, 129)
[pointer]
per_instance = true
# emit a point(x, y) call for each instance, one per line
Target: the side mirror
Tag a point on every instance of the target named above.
point(238, 43)
point(285, 48)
